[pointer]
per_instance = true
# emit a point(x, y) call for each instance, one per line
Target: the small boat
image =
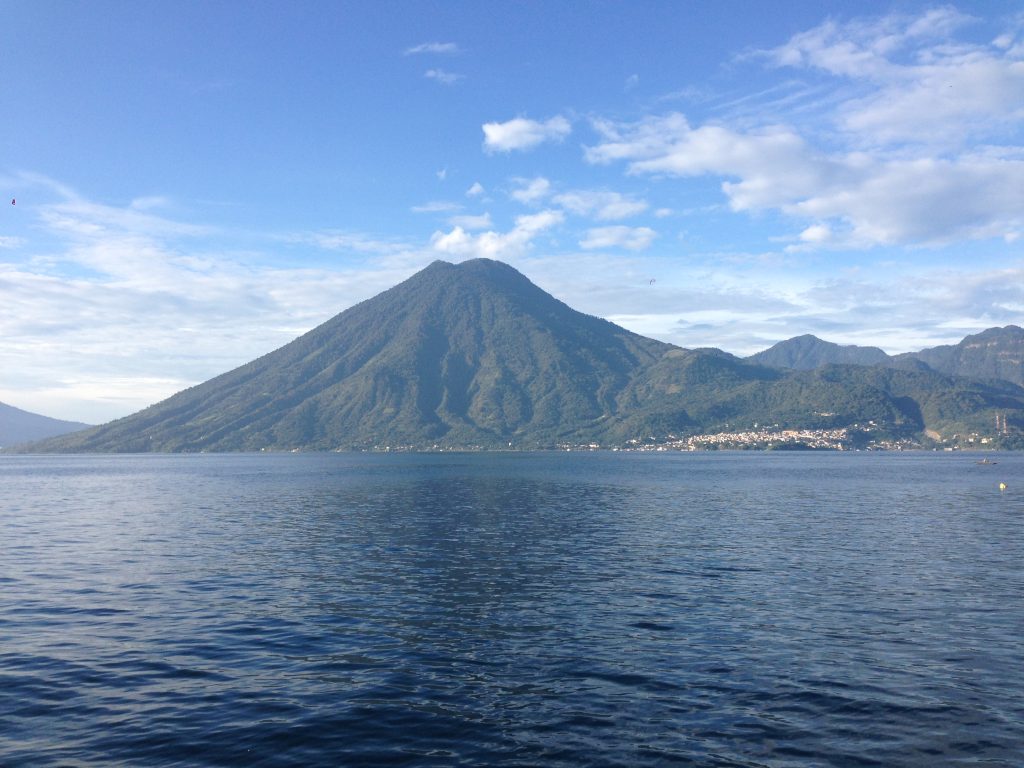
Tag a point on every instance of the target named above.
point(986, 461)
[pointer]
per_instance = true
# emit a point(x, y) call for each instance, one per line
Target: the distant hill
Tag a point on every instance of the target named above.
point(474, 355)
point(18, 426)
point(997, 353)
point(807, 352)
point(715, 394)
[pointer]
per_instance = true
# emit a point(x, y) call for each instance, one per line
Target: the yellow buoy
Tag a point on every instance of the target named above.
point(1002, 486)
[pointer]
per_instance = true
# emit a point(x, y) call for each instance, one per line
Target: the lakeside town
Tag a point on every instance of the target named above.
point(774, 438)
point(868, 437)
point(858, 437)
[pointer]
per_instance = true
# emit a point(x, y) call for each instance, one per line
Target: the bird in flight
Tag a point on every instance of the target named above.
point(12, 201)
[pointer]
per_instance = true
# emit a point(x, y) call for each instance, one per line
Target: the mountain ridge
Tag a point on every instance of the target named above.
point(807, 352)
point(474, 355)
point(19, 426)
point(995, 353)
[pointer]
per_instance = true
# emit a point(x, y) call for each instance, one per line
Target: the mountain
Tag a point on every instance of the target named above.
point(18, 426)
point(468, 354)
point(688, 392)
point(474, 355)
point(997, 353)
point(807, 352)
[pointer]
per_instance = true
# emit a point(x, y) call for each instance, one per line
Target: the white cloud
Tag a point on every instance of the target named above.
point(866, 198)
point(746, 312)
point(773, 165)
point(925, 86)
point(908, 311)
point(602, 205)
point(435, 47)
point(942, 102)
point(456, 242)
point(812, 237)
point(1004, 41)
point(891, 157)
point(530, 191)
point(192, 313)
point(866, 47)
point(495, 245)
point(925, 201)
point(630, 238)
point(75, 216)
point(437, 206)
point(482, 221)
point(442, 76)
point(816, 233)
point(476, 190)
point(137, 326)
point(521, 133)
point(9, 241)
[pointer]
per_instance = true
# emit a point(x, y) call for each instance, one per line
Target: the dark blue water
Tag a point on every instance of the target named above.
point(523, 609)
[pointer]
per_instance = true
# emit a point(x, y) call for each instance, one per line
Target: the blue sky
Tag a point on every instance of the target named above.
point(197, 184)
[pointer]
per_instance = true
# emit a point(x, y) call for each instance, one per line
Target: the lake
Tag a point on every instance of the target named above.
point(518, 609)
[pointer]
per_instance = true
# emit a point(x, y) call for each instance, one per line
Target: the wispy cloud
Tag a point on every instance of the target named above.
point(522, 134)
point(434, 47)
point(469, 222)
point(927, 87)
point(630, 238)
point(125, 307)
point(603, 205)
point(746, 312)
point(442, 76)
point(530, 191)
point(149, 203)
point(894, 159)
point(333, 240)
point(865, 199)
point(437, 206)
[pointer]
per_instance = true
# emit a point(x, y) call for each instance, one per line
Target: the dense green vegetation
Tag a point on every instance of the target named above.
point(997, 353)
point(475, 355)
point(807, 352)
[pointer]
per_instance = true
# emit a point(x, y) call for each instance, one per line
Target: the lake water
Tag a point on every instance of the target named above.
point(719, 609)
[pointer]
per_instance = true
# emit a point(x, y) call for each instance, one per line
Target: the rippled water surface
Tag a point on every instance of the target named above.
point(731, 609)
